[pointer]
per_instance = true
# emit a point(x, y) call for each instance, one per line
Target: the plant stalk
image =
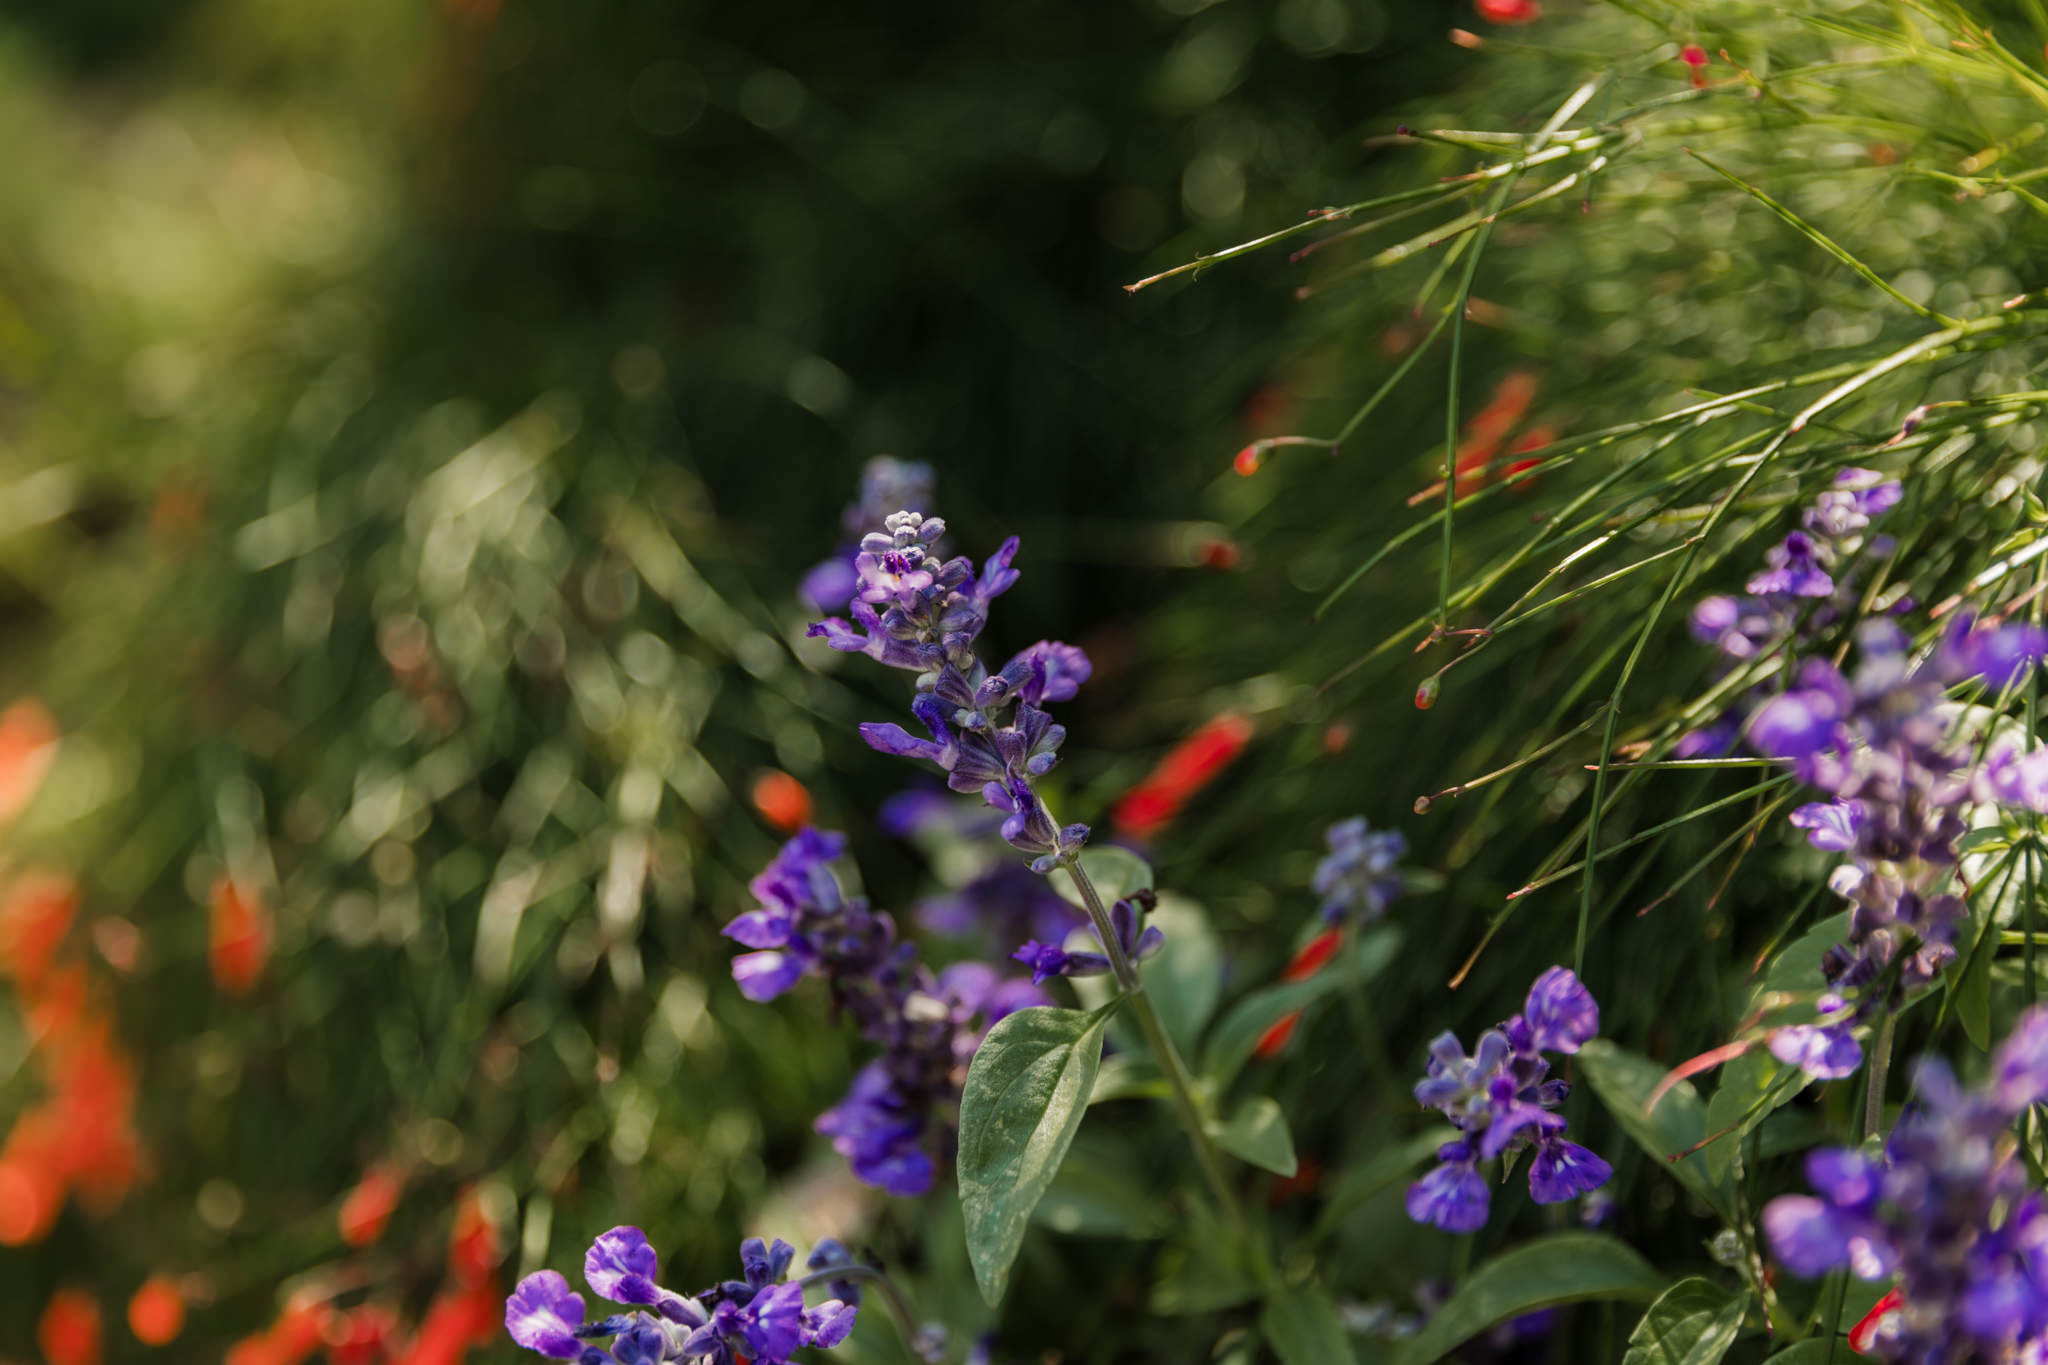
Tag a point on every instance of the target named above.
point(1169, 1059)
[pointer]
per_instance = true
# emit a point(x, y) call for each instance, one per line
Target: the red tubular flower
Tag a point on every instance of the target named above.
point(33, 921)
point(1864, 1333)
point(157, 1312)
point(368, 1206)
point(28, 745)
point(1509, 11)
point(1312, 958)
point(1187, 768)
point(782, 801)
point(474, 1247)
point(241, 936)
point(69, 1329)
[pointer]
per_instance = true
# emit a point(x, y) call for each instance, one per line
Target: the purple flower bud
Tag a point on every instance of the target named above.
point(1561, 1011)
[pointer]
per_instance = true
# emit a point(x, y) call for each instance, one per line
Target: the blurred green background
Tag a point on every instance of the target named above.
point(416, 419)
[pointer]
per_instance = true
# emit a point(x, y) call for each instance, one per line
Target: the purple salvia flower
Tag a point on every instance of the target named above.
point(1361, 875)
point(988, 732)
point(886, 484)
point(1503, 1100)
point(1949, 1209)
point(895, 1124)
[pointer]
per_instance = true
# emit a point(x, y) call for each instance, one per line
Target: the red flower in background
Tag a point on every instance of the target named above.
point(28, 746)
point(782, 801)
point(157, 1312)
point(1187, 768)
point(69, 1329)
point(34, 918)
point(1312, 957)
point(368, 1206)
point(1509, 11)
point(240, 947)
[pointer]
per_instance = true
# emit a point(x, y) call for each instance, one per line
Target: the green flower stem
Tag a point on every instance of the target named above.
point(1880, 1063)
point(1192, 1117)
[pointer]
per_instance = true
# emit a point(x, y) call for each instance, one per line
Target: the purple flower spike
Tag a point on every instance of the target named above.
point(621, 1266)
point(2020, 1066)
point(543, 1315)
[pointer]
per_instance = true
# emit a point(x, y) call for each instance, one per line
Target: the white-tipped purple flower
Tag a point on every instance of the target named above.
point(1361, 876)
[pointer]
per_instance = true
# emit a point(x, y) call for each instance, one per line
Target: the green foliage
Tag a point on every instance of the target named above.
point(1693, 1323)
point(1566, 1267)
point(1303, 1328)
point(1022, 1105)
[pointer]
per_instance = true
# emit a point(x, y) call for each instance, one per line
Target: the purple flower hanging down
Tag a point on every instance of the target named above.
point(989, 732)
point(1049, 959)
point(895, 1125)
point(760, 1317)
point(1501, 1100)
point(1948, 1208)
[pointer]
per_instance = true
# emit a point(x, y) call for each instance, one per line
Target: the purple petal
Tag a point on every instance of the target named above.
point(621, 1266)
point(1806, 1234)
point(543, 1314)
point(2021, 1062)
point(765, 975)
point(1828, 1052)
point(1561, 1011)
point(1564, 1170)
point(759, 929)
point(829, 1323)
point(777, 1328)
point(1452, 1197)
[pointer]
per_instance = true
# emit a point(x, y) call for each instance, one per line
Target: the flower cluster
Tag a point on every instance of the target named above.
point(1806, 586)
point(896, 1115)
point(989, 731)
point(886, 484)
point(1361, 876)
point(1501, 1099)
point(1808, 578)
point(1948, 1208)
point(759, 1318)
point(1049, 959)
point(1881, 744)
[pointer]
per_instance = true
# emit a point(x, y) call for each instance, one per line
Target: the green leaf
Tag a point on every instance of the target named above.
point(1624, 1082)
point(1231, 1042)
point(1257, 1133)
point(1116, 872)
point(1569, 1267)
point(1815, 1352)
point(1303, 1328)
point(1185, 980)
point(1361, 1182)
point(1751, 1088)
point(1025, 1094)
point(1797, 969)
point(1693, 1324)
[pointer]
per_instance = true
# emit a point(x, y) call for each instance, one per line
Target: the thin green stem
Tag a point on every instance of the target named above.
point(1880, 1064)
point(1192, 1116)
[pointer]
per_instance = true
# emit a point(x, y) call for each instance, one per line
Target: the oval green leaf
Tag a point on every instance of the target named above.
point(1231, 1042)
point(1673, 1132)
point(1023, 1101)
point(1570, 1267)
point(1693, 1324)
point(1302, 1327)
point(1257, 1133)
